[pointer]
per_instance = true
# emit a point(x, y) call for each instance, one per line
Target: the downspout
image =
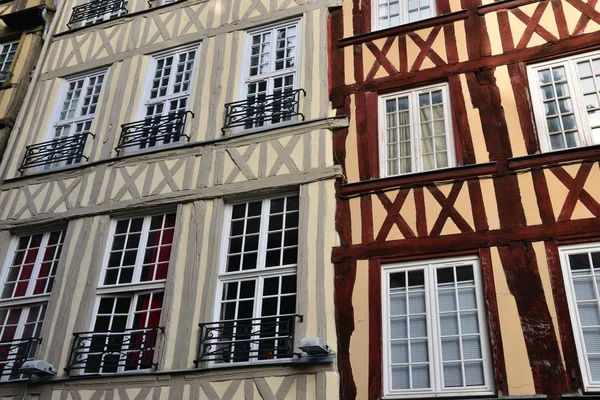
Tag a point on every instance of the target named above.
point(16, 131)
point(45, 30)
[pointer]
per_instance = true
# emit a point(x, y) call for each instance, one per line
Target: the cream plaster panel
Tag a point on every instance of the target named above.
point(355, 219)
point(3, 195)
point(234, 65)
point(491, 206)
point(571, 15)
point(351, 169)
point(507, 97)
point(455, 5)
point(359, 341)
point(432, 208)
point(517, 27)
point(461, 40)
point(479, 146)
point(229, 166)
point(412, 50)
point(208, 47)
point(439, 45)
point(581, 212)
point(519, 377)
point(118, 183)
point(311, 255)
point(21, 202)
point(348, 64)
point(592, 186)
point(542, 262)
point(297, 154)
point(379, 215)
point(493, 28)
point(409, 211)
point(331, 240)
point(319, 69)
point(558, 190)
point(548, 21)
point(369, 59)
point(536, 40)
point(253, 162)
point(463, 205)
point(529, 199)
point(87, 193)
point(23, 54)
point(592, 26)
point(394, 54)
point(271, 157)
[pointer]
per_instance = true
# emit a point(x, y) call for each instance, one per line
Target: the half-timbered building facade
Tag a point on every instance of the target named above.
point(468, 211)
point(24, 26)
point(167, 212)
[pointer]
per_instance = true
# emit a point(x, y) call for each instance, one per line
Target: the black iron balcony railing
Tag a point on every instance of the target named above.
point(154, 131)
point(13, 354)
point(95, 10)
point(56, 153)
point(243, 340)
point(262, 110)
point(5, 76)
point(113, 351)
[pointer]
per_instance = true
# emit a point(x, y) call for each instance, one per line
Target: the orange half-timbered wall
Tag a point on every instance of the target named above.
point(506, 201)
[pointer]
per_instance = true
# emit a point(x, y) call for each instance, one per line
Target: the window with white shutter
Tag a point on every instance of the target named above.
point(435, 339)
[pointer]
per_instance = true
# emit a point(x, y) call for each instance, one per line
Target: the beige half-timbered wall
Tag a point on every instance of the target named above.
point(196, 179)
point(508, 203)
point(13, 90)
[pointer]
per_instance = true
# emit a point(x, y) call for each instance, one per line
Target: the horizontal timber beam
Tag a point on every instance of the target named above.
point(467, 241)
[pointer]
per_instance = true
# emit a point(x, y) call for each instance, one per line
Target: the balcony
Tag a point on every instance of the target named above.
point(13, 354)
point(258, 111)
point(96, 11)
point(247, 340)
point(154, 131)
point(56, 153)
point(113, 351)
point(5, 77)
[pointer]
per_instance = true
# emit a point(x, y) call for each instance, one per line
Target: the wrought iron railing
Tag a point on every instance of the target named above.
point(259, 110)
point(154, 131)
point(251, 339)
point(95, 9)
point(5, 76)
point(13, 354)
point(113, 351)
point(56, 153)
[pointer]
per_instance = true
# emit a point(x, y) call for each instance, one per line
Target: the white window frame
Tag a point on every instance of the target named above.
point(403, 4)
point(246, 59)
point(29, 300)
point(56, 122)
point(259, 274)
point(6, 66)
point(431, 303)
point(147, 88)
point(564, 252)
point(415, 127)
point(584, 134)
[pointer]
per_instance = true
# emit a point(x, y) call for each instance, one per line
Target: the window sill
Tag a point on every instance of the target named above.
point(555, 157)
point(420, 178)
point(451, 395)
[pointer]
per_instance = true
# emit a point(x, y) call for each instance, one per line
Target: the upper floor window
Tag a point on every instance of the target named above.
point(271, 77)
point(581, 271)
point(389, 13)
point(256, 304)
point(434, 332)
point(7, 55)
point(566, 101)
point(27, 280)
point(415, 131)
point(130, 297)
point(169, 94)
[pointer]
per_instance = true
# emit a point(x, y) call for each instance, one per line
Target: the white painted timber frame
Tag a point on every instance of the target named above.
point(260, 272)
point(584, 134)
point(433, 330)
point(565, 251)
point(415, 128)
point(245, 66)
